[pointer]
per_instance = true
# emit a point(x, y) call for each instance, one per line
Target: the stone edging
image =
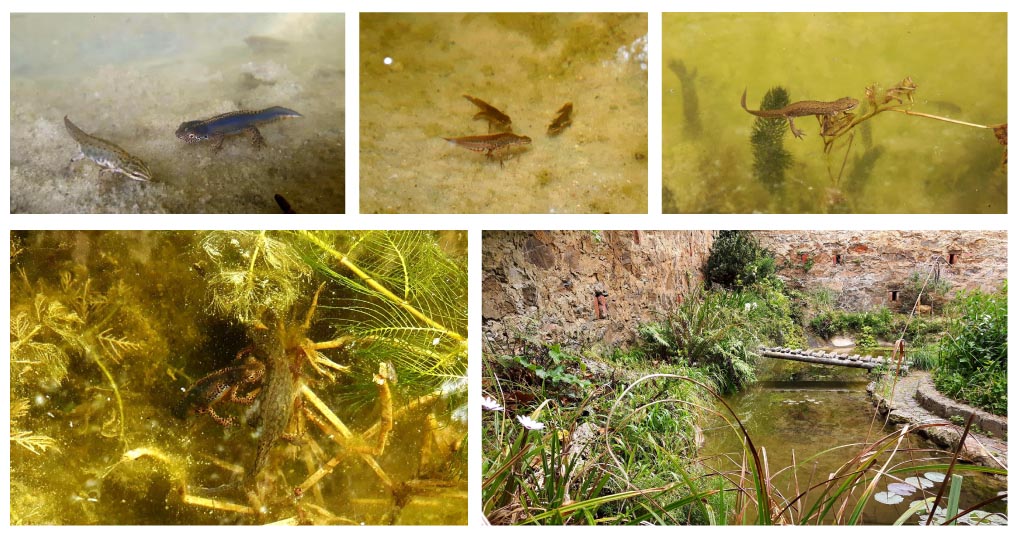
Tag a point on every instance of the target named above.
point(929, 398)
point(905, 408)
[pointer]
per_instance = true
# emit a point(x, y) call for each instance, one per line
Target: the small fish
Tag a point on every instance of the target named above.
point(490, 113)
point(107, 155)
point(217, 128)
point(562, 120)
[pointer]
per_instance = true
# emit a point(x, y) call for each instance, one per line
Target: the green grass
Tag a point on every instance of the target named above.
point(533, 477)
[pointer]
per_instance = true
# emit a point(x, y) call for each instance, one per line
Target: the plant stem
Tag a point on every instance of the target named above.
point(939, 118)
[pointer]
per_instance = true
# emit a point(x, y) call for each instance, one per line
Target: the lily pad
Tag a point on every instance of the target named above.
point(983, 518)
point(936, 477)
point(902, 489)
point(888, 498)
point(919, 482)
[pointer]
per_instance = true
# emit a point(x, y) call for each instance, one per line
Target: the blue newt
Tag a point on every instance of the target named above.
point(217, 128)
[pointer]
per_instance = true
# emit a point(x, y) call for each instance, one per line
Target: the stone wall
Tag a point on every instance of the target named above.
point(872, 264)
point(543, 283)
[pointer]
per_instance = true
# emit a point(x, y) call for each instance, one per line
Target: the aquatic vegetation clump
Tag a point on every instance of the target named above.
point(253, 272)
point(405, 302)
point(771, 160)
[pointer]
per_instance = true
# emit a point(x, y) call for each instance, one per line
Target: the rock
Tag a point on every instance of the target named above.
point(842, 341)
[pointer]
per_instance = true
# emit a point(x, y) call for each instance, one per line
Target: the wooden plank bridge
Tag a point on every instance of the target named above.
point(832, 358)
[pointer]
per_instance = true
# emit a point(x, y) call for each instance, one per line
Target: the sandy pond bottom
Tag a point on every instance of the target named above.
point(136, 77)
point(528, 66)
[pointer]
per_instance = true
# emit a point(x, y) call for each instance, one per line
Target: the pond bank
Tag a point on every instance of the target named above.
point(916, 401)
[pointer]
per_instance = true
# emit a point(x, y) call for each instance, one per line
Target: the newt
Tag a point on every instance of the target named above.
point(493, 115)
point(803, 108)
point(563, 119)
point(108, 155)
point(223, 384)
point(217, 128)
point(487, 143)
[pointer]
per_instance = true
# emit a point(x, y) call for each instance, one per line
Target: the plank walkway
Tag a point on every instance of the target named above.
point(830, 358)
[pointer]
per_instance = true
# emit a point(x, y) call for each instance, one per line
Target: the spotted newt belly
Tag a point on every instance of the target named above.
point(237, 384)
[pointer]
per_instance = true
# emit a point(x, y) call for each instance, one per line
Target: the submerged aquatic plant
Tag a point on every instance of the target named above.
point(898, 98)
point(771, 159)
point(79, 390)
point(400, 312)
point(253, 272)
point(406, 302)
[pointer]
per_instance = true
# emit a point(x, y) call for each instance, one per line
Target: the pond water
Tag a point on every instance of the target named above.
point(132, 79)
point(415, 69)
point(148, 379)
point(895, 164)
point(825, 408)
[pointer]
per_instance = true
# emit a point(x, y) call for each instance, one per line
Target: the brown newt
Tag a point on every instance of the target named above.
point(279, 392)
point(488, 143)
point(223, 384)
point(493, 115)
point(803, 108)
point(563, 119)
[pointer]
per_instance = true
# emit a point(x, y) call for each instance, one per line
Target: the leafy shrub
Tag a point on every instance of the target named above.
point(866, 341)
point(832, 323)
point(973, 364)
point(709, 331)
point(737, 260)
point(933, 294)
point(549, 367)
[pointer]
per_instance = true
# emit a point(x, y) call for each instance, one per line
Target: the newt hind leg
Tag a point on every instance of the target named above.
point(796, 132)
point(256, 137)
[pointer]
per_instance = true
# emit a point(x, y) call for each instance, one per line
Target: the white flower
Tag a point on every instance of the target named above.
point(490, 404)
point(530, 424)
point(749, 306)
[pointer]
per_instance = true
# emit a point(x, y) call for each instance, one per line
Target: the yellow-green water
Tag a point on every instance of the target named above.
point(896, 163)
point(109, 329)
point(133, 78)
point(528, 66)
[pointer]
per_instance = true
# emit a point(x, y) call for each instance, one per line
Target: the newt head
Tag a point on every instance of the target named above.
point(134, 168)
point(192, 132)
point(846, 104)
